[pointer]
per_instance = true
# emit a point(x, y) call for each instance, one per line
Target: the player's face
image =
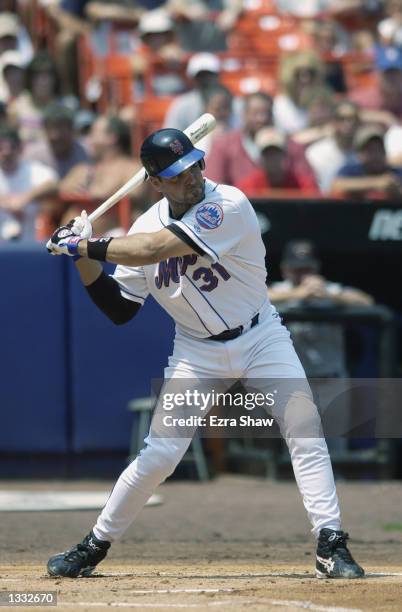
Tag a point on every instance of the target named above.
point(185, 188)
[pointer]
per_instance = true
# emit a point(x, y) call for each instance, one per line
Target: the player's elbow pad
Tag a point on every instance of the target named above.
point(105, 293)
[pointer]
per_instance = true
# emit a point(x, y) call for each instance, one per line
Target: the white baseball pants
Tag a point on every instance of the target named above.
point(263, 352)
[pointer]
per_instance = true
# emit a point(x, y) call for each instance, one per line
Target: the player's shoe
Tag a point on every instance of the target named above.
point(80, 560)
point(334, 560)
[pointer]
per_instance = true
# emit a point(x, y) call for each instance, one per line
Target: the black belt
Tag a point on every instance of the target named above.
point(231, 334)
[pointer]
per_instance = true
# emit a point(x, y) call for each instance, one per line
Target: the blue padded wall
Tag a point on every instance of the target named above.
point(110, 365)
point(33, 404)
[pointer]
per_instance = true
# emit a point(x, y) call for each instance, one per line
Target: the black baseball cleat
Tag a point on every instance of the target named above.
point(80, 560)
point(333, 557)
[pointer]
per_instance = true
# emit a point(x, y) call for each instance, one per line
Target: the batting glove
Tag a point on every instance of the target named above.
point(65, 239)
point(63, 242)
point(81, 226)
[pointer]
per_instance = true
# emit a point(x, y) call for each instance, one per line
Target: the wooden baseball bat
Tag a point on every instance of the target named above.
point(196, 131)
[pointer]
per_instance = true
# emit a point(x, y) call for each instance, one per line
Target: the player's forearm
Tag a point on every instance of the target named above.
point(49, 188)
point(354, 297)
point(284, 295)
point(100, 11)
point(358, 184)
point(134, 250)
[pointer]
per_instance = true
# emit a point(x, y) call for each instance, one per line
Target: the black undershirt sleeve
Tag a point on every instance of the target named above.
point(177, 231)
point(105, 293)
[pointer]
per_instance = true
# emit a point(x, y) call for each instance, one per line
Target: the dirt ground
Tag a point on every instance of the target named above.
point(232, 543)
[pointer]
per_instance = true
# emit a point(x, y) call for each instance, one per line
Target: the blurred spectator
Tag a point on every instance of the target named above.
point(8, 33)
point(69, 16)
point(234, 155)
point(24, 184)
point(277, 171)
point(60, 150)
point(329, 154)
point(370, 175)
point(12, 75)
point(331, 42)
point(13, 34)
point(42, 87)
point(313, 8)
point(300, 75)
point(112, 166)
point(330, 38)
point(393, 145)
point(319, 104)
point(218, 102)
point(159, 44)
point(73, 7)
point(83, 122)
point(386, 95)
point(203, 71)
point(390, 29)
point(8, 42)
point(202, 25)
point(117, 18)
point(320, 346)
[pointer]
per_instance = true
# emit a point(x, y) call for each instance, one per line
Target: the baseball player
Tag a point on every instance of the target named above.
point(199, 252)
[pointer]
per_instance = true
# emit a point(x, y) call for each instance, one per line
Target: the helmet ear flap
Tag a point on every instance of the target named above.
point(201, 164)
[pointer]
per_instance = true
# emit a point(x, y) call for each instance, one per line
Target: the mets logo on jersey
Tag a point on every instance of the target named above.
point(209, 216)
point(177, 147)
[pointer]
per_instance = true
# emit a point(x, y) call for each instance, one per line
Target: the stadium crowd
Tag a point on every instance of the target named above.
point(307, 97)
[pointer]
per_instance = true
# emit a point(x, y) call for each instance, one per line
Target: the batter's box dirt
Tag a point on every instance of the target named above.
point(234, 543)
point(229, 586)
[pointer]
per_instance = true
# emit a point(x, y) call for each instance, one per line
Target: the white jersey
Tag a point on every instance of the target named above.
point(219, 287)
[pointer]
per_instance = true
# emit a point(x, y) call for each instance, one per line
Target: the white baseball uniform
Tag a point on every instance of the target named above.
point(220, 287)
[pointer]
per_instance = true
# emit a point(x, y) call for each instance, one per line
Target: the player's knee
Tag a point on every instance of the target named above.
point(302, 420)
point(161, 457)
point(163, 464)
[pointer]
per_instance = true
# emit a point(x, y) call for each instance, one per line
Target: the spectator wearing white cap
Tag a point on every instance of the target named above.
point(14, 37)
point(277, 171)
point(159, 54)
point(203, 70)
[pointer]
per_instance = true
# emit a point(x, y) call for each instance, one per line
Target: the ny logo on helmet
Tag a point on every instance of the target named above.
point(177, 147)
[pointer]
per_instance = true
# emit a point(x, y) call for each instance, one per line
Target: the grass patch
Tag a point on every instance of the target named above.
point(392, 527)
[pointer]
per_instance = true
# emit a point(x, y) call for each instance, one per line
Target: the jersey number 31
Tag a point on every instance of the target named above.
point(174, 267)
